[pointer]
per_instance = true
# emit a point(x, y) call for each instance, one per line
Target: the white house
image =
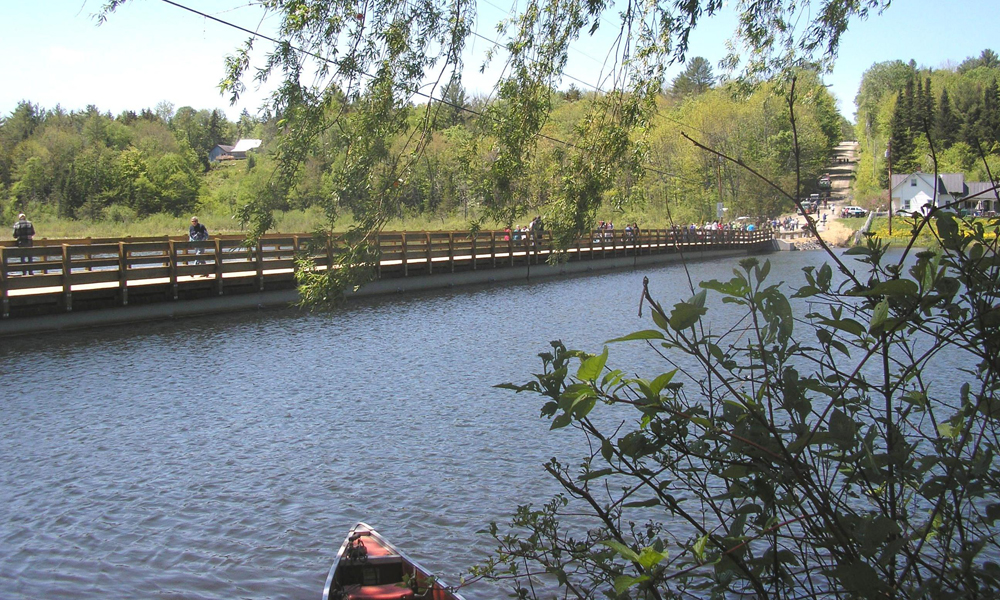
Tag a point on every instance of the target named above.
point(237, 152)
point(918, 192)
point(915, 192)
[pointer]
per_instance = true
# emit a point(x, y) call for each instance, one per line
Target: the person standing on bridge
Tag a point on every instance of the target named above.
point(197, 233)
point(23, 232)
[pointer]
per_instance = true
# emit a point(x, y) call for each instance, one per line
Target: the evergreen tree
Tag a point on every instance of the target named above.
point(989, 129)
point(906, 107)
point(900, 139)
point(696, 79)
point(927, 108)
point(946, 125)
point(972, 122)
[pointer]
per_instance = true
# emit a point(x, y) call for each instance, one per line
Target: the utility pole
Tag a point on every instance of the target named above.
point(888, 157)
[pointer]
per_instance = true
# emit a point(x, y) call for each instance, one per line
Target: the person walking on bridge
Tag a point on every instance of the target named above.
point(23, 232)
point(197, 233)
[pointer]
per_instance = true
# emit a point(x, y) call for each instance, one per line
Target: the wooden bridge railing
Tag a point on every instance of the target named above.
point(58, 268)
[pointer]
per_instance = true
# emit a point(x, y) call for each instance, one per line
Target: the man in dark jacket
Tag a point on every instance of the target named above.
point(23, 232)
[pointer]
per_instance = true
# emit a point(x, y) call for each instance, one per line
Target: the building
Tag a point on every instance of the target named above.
point(919, 192)
point(237, 152)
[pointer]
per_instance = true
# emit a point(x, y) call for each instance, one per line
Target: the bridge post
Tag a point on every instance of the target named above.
point(406, 261)
point(430, 258)
point(451, 250)
point(218, 265)
point(493, 247)
point(123, 272)
point(172, 265)
point(3, 283)
point(67, 271)
point(259, 263)
point(475, 258)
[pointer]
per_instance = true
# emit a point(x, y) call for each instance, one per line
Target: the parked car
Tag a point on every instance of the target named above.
point(853, 211)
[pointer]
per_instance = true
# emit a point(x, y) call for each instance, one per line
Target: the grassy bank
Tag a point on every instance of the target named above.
point(295, 221)
point(298, 221)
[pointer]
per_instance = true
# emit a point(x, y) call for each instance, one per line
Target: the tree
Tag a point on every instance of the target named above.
point(987, 58)
point(697, 78)
point(946, 125)
point(901, 155)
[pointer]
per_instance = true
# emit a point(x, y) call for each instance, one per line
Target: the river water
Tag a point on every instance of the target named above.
point(226, 457)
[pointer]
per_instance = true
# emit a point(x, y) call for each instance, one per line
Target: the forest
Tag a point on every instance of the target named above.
point(93, 166)
point(948, 113)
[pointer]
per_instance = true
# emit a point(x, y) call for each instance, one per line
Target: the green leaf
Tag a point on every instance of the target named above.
point(661, 381)
point(947, 228)
point(685, 315)
point(607, 451)
point(561, 421)
point(622, 550)
point(848, 325)
point(699, 548)
point(699, 299)
point(645, 334)
point(596, 474)
point(624, 582)
point(649, 557)
point(947, 430)
point(591, 368)
point(894, 287)
point(660, 321)
point(879, 316)
point(642, 503)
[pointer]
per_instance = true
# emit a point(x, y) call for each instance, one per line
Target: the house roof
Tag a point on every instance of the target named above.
point(954, 183)
point(247, 144)
point(983, 190)
point(948, 183)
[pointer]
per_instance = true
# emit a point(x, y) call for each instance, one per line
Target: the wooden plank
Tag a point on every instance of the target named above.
point(83, 277)
point(149, 273)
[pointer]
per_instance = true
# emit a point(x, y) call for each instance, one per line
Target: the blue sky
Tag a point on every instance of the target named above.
point(148, 52)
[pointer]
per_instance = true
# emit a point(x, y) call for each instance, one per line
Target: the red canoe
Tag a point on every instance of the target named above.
point(368, 567)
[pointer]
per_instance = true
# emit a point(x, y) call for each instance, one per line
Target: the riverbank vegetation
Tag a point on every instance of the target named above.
point(90, 173)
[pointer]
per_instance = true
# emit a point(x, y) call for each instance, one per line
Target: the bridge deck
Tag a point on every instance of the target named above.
point(53, 276)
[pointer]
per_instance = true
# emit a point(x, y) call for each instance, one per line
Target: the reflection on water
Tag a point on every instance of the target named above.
point(226, 457)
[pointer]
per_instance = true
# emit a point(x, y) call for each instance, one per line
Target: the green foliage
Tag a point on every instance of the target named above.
point(814, 451)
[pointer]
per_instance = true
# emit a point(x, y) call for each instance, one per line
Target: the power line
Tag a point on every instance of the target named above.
point(415, 92)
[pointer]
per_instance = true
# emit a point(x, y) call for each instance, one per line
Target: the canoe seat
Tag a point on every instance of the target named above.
point(389, 591)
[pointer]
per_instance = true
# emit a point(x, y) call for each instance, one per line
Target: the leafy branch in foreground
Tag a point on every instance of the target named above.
point(828, 454)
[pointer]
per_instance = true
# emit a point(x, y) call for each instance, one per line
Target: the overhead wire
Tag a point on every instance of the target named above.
point(429, 97)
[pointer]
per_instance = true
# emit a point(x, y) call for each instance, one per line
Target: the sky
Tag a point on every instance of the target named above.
point(150, 52)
